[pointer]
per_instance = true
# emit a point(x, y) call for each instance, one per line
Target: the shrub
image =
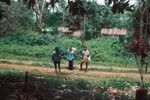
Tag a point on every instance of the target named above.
point(27, 38)
point(31, 44)
point(118, 82)
point(77, 84)
point(53, 81)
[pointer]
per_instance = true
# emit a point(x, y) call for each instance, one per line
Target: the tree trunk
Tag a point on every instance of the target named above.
point(141, 94)
point(39, 14)
point(83, 32)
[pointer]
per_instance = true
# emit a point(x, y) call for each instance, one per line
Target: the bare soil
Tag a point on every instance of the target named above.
point(13, 88)
point(75, 72)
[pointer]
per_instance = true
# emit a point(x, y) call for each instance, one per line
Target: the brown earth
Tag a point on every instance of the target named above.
point(12, 88)
point(73, 73)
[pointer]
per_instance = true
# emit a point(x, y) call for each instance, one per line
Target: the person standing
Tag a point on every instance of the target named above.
point(86, 57)
point(70, 58)
point(56, 58)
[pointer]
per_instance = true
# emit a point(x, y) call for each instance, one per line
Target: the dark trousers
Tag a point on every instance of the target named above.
point(57, 64)
point(70, 65)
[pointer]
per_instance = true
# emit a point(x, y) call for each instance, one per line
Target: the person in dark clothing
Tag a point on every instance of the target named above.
point(56, 58)
point(70, 58)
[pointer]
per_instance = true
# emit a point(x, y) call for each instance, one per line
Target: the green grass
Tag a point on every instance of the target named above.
point(58, 80)
point(49, 64)
point(118, 82)
point(84, 86)
point(7, 71)
point(38, 47)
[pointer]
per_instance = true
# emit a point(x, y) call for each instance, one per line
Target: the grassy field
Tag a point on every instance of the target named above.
point(105, 50)
point(112, 73)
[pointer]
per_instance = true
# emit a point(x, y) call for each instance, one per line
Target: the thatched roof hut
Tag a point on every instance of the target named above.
point(115, 31)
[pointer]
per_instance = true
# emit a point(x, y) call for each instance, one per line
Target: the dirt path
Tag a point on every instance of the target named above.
point(30, 63)
point(74, 73)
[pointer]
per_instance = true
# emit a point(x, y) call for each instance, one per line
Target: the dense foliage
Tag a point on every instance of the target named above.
point(99, 16)
point(29, 31)
point(104, 50)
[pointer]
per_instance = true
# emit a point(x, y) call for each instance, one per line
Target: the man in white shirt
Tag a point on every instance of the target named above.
point(85, 59)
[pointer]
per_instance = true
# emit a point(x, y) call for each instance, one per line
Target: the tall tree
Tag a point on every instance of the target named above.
point(77, 17)
point(39, 6)
point(1, 7)
point(140, 27)
point(118, 6)
point(16, 16)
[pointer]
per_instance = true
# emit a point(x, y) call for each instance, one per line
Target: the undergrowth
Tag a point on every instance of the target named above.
point(28, 45)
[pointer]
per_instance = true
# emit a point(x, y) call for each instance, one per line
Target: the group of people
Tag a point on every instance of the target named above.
point(56, 58)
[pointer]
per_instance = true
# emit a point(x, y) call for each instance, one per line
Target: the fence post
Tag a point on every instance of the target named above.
point(26, 81)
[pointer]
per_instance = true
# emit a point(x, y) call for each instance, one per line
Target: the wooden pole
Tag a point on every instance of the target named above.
point(26, 81)
point(83, 36)
point(63, 7)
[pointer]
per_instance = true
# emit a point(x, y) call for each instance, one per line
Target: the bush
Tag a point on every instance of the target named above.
point(77, 84)
point(118, 82)
point(31, 44)
point(27, 38)
point(103, 52)
point(53, 81)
